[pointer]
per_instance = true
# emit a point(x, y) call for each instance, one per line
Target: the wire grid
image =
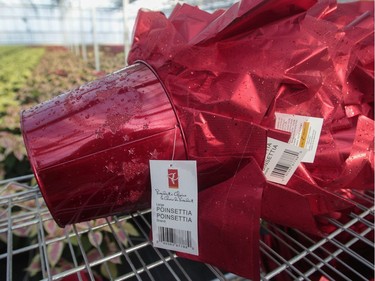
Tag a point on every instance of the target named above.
point(31, 238)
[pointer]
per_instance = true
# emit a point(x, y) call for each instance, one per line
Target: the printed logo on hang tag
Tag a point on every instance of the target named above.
point(282, 160)
point(173, 178)
point(305, 132)
point(174, 204)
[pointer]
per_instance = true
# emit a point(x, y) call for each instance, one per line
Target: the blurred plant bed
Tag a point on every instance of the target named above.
point(29, 76)
point(111, 58)
point(96, 238)
point(16, 68)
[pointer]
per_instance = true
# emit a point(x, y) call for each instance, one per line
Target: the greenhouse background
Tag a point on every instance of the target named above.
point(79, 23)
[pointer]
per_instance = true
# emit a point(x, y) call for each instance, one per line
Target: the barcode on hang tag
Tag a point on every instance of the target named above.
point(287, 160)
point(281, 161)
point(175, 236)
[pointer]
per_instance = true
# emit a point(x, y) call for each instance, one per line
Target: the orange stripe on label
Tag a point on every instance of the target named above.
point(305, 131)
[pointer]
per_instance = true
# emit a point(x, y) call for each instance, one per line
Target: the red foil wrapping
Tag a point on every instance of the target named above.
point(262, 57)
point(228, 222)
point(90, 148)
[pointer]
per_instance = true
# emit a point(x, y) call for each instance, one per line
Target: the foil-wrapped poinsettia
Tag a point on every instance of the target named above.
point(206, 87)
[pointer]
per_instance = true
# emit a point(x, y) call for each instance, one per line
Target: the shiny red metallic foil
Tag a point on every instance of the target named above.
point(90, 147)
point(228, 222)
point(238, 64)
point(262, 57)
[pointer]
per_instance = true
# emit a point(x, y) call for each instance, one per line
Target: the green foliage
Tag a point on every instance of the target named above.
point(29, 76)
point(16, 67)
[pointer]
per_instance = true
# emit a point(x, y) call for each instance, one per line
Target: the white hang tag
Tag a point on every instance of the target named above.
point(282, 160)
point(305, 132)
point(174, 204)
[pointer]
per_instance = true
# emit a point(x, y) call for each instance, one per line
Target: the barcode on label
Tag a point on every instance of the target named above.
point(175, 236)
point(288, 158)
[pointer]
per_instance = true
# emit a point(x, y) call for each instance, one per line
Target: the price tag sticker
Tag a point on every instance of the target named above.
point(174, 203)
point(305, 132)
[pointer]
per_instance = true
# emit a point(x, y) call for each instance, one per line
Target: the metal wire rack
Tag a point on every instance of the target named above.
point(120, 248)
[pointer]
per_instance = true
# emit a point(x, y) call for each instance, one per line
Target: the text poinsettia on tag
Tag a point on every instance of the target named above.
point(174, 205)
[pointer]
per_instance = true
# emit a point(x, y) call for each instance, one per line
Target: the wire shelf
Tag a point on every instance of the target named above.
point(30, 238)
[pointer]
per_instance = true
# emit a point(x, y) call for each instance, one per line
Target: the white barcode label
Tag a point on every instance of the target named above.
point(285, 163)
point(174, 205)
point(175, 236)
point(282, 160)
